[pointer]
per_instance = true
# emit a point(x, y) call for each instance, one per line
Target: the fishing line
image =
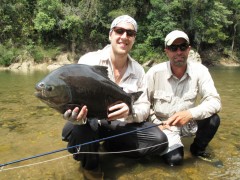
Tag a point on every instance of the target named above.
point(76, 146)
point(100, 153)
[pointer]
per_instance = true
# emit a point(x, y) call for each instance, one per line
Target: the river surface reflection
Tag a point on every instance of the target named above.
point(28, 128)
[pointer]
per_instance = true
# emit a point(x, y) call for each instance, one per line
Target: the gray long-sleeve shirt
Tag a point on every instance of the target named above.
point(168, 94)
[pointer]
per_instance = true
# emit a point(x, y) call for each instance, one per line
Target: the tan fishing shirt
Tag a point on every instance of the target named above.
point(132, 80)
point(168, 94)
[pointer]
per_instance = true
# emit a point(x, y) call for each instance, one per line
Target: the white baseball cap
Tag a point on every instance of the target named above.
point(172, 36)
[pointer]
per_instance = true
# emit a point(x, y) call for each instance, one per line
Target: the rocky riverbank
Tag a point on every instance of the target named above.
point(26, 64)
point(228, 62)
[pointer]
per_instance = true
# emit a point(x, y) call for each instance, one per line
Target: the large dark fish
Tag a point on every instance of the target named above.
point(76, 85)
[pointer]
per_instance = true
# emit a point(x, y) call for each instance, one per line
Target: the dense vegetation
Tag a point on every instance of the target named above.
point(43, 28)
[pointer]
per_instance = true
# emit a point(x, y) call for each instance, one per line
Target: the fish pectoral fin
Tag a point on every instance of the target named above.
point(136, 95)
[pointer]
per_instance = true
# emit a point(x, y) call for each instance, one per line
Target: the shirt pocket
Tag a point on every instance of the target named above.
point(130, 85)
point(187, 101)
point(190, 96)
point(162, 104)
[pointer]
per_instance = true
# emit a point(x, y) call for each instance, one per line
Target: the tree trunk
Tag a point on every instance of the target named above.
point(73, 48)
point(234, 35)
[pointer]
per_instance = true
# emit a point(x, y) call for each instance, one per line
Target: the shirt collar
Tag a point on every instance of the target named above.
point(105, 57)
point(188, 70)
point(170, 74)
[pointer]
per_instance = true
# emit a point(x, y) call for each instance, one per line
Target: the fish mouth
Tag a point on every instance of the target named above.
point(42, 91)
point(39, 90)
point(51, 99)
point(40, 94)
point(37, 94)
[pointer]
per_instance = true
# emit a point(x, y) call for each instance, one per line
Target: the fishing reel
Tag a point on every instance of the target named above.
point(189, 129)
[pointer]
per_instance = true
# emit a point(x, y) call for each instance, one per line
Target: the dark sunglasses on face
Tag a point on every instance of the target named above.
point(121, 31)
point(182, 47)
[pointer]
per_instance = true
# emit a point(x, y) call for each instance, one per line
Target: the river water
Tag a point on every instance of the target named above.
point(29, 128)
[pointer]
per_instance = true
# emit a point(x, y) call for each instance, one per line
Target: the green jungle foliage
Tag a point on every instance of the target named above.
point(46, 27)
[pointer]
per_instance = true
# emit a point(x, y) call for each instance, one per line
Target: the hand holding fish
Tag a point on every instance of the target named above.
point(118, 111)
point(75, 116)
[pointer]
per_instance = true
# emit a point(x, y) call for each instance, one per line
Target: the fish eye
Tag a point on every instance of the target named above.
point(49, 88)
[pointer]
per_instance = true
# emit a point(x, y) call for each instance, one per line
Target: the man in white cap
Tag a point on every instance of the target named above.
point(128, 74)
point(173, 87)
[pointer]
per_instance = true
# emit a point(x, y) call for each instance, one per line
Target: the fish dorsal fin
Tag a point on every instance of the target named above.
point(102, 70)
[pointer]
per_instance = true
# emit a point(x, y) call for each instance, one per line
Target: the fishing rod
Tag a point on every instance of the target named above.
point(76, 146)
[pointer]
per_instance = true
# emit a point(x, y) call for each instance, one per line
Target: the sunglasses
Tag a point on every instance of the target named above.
point(182, 47)
point(121, 31)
